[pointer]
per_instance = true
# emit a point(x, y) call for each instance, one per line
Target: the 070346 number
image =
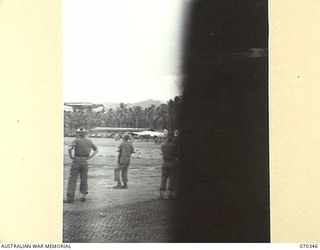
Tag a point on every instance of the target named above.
point(308, 245)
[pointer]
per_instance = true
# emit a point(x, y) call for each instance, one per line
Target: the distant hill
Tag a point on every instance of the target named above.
point(143, 104)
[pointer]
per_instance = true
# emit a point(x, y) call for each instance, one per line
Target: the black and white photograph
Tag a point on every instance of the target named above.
point(160, 121)
point(165, 121)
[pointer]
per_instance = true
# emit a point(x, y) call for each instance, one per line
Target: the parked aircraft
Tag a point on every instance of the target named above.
point(152, 134)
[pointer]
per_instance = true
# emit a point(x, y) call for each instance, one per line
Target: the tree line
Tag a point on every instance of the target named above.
point(164, 116)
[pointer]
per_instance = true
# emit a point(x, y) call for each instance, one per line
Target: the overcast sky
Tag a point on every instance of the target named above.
point(122, 50)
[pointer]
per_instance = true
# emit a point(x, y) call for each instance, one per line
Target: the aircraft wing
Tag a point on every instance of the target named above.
point(148, 133)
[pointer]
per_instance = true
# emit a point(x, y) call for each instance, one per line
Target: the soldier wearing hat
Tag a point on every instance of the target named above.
point(79, 152)
point(125, 150)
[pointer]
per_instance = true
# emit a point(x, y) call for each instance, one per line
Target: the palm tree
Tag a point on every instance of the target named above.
point(121, 113)
point(109, 117)
point(137, 114)
point(150, 116)
point(161, 116)
point(156, 117)
point(170, 114)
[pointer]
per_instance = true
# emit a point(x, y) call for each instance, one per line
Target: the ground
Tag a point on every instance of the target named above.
point(111, 215)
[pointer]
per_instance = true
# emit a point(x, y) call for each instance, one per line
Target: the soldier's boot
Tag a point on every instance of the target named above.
point(83, 196)
point(70, 199)
point(118, 186)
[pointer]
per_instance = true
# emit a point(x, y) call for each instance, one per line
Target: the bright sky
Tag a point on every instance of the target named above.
point(122, 50)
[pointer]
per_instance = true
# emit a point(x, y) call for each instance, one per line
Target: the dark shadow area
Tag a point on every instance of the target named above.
point(224, 172)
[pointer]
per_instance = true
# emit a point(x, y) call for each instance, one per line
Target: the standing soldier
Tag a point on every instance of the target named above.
point(168, 171)
point(125, 150)
point(81, 147)
point(165, 136)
